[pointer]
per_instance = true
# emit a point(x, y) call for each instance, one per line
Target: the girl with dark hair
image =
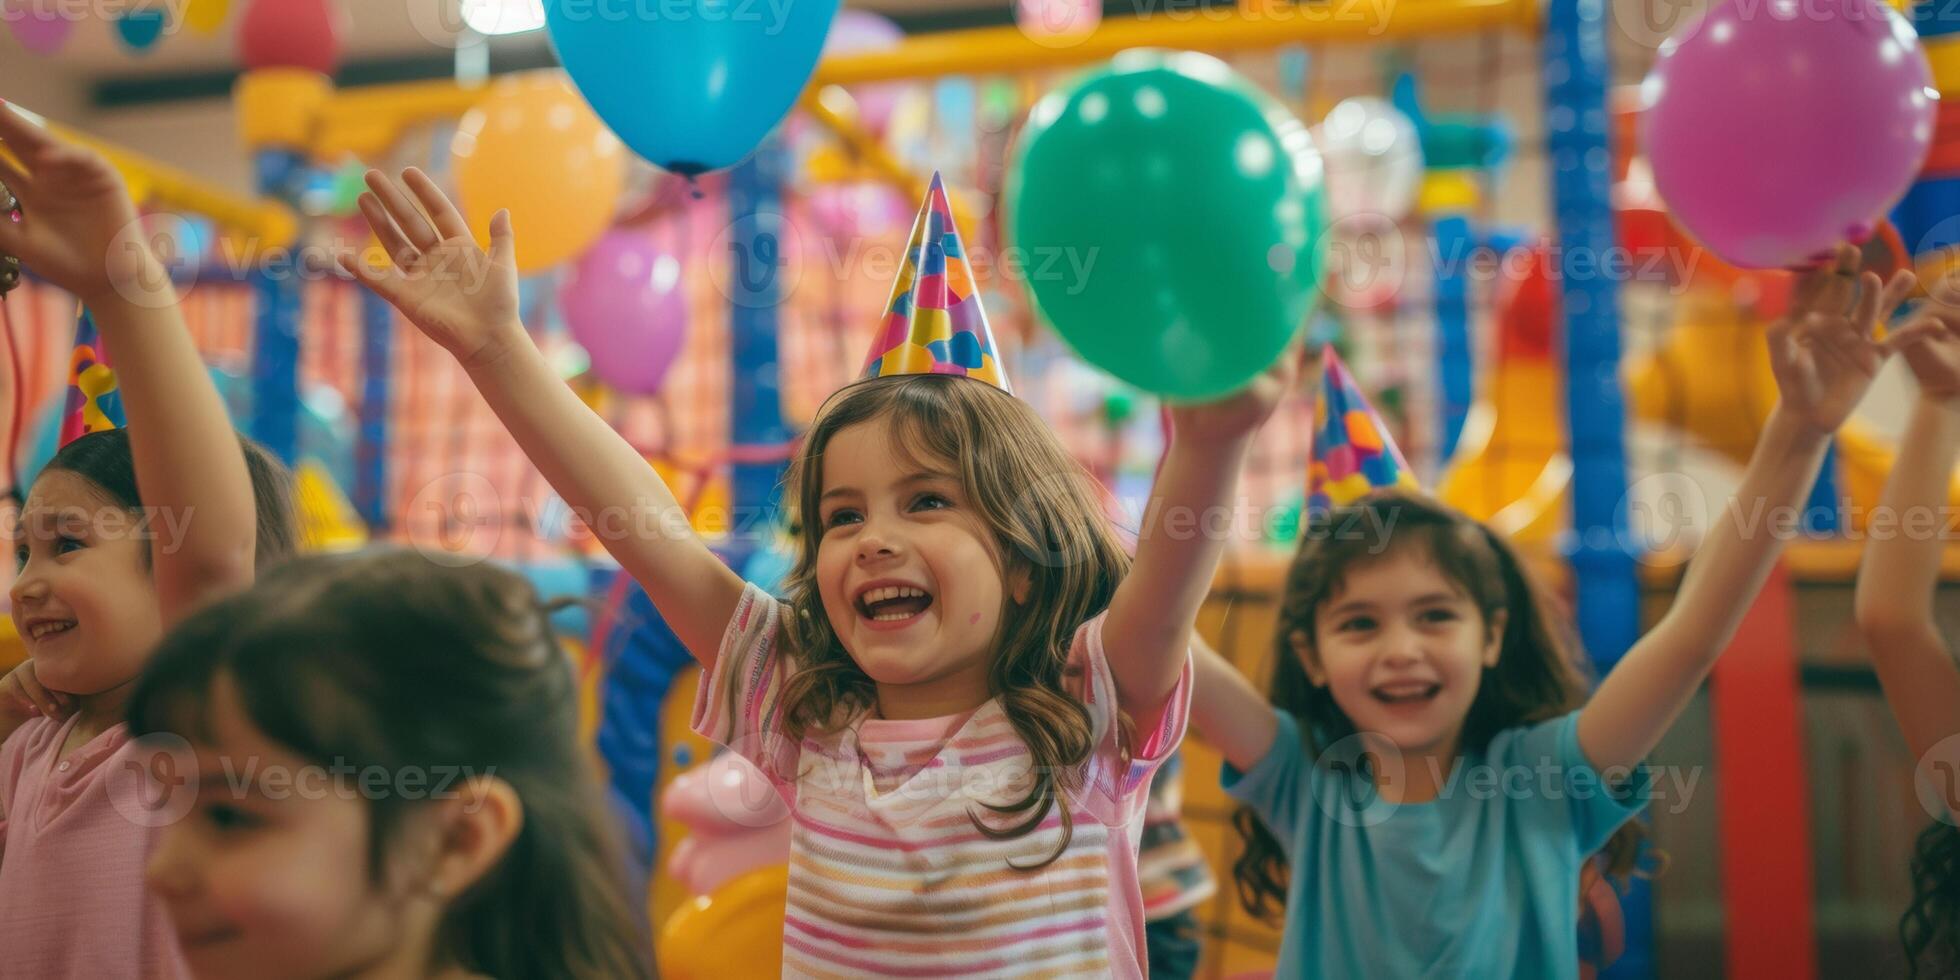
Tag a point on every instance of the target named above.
point(103, 570)
point(1425, 777)
point(393, 782)
point(1896, 583)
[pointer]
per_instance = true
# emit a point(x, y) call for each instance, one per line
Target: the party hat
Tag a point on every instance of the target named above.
point(1352, 450)
point(93, 403)
point(934, 323)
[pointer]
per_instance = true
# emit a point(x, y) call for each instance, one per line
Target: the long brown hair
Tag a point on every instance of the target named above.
point(1537, 676)
point(1048, 525)
point(388, 659)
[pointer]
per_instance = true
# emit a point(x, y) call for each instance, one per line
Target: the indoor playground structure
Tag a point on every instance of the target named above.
point(706, 283)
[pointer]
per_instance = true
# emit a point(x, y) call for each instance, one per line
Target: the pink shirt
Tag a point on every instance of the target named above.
point(888, 875)
point(72, 899)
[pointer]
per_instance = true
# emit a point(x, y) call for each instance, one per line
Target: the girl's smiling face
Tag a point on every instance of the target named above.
point(909, 573)
point(269, 873)
point(1402, 649)
point(83, 600)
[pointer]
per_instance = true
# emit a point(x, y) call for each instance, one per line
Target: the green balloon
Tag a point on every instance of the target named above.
point(1169, 218)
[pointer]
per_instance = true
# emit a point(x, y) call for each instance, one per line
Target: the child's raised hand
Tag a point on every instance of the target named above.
point(1238, 415)
point(1930, 342)
point(77, 227)
point(459, 295)
point(1822, 350)
point(22, 698)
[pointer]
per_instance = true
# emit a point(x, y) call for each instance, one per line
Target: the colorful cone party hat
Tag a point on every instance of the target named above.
point(93, 403)
point(934, 323)
point(1352, 450)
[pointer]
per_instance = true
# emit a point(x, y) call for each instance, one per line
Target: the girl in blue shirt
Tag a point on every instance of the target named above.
point(1897, 584)
point(1423, 780)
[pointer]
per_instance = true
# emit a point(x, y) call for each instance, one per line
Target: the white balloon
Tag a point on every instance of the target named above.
point(1373, 157)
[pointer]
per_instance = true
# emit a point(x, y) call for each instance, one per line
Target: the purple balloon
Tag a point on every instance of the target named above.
point(1777, 128)
point(625, 302)
point(861, 31)
point(41, 31)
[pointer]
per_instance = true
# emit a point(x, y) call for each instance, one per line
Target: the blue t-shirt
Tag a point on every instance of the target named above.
point(1482, 881)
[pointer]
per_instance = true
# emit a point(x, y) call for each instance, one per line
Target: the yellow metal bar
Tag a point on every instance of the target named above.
point(167, 187)
point(1001, 50)
point(366, 121)
point(863, 145)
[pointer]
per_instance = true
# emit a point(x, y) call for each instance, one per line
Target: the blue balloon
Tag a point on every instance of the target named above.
point(691, 85)
point(140, 28)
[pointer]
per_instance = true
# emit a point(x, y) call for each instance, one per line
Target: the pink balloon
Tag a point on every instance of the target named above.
point(625, 303)
point(735, 821)
point(861, 31)
point(40, 28)
point(702, 864)
point(1776, 128)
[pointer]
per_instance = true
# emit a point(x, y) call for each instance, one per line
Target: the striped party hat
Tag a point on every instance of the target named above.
point(1352, 450)
point(93, 403)
point(934, 323)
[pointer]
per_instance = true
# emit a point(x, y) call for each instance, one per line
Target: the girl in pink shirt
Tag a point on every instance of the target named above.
point(969, 687)
point(102, 572)
point(375, 764)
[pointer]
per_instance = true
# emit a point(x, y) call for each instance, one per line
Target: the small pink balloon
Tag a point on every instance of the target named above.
point(625, 302)
point(40, 28)
point(869, 208)
point(736, 823)
point(702, 864)
point(1776, 129)
point(858, 32)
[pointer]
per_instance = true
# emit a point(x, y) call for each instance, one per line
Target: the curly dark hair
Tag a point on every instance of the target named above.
point(1930, 929)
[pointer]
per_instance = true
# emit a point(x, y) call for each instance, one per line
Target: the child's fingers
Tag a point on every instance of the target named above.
point(449, 221)
point(503, 248)
point(27, 139)
point(385, 231)
point(45, 701)
point(386, 283)
point(1871, 291)
point(409, 218)
point(1923, 328)
point(1840, 285)
point(1809, 286)
point(1896, 290)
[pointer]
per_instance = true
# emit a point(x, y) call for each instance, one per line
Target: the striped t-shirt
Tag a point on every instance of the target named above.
point(888, 874)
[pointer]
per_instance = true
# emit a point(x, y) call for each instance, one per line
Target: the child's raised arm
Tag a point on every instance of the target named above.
point(466, 300)
point(1153, 613)
point(1824, 359)
point(1901, 570)
point(1227, 711)
point(79, 230)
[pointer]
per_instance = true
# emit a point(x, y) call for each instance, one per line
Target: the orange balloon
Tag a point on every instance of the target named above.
point(534, 147)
